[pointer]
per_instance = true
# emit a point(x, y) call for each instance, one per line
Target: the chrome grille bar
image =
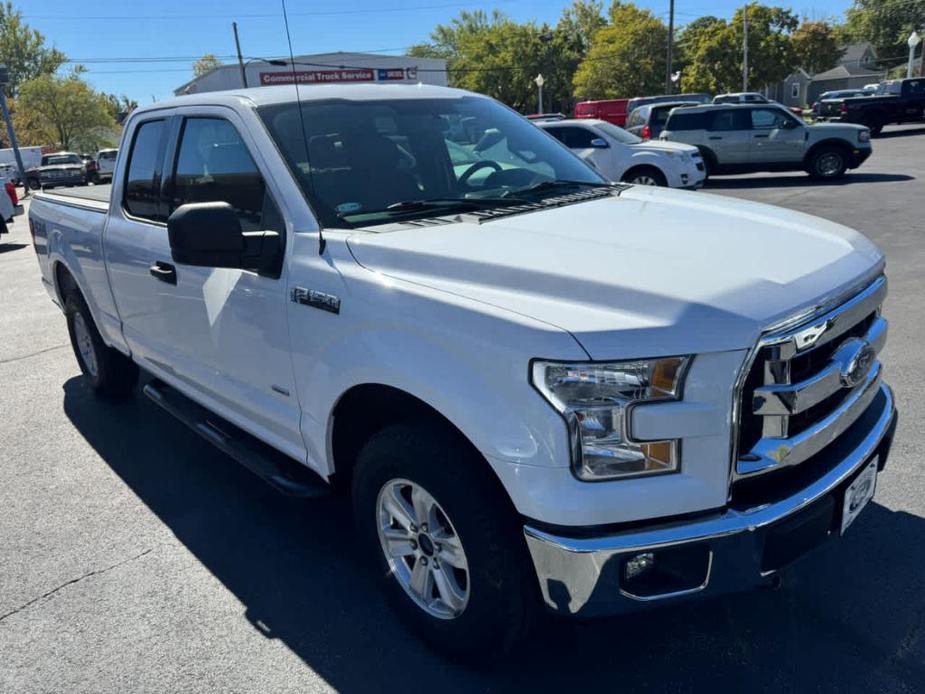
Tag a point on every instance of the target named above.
point(794, 422)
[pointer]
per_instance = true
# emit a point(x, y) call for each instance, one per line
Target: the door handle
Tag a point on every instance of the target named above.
point(715, 137)
point(757, 136)
point(165, 272)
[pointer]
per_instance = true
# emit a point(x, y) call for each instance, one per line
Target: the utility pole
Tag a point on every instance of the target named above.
point(539, 81)
point(237, 43)
point(745, 49)
point(4, 78)
point(668, 82)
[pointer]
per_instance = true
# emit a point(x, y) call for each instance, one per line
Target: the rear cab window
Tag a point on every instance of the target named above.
point(141, 197)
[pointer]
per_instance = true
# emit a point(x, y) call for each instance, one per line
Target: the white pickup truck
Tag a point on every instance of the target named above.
point(538, 388)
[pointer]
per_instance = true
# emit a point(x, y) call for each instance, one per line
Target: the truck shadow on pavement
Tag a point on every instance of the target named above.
point(799, 181)
point(849, 618)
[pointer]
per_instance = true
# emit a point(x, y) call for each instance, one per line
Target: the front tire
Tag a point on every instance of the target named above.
point(645, 176)
point(445, 541)
point(109, 372)
point(827, 163)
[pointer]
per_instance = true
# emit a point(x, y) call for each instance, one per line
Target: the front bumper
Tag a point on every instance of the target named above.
point(741, 548)
point(67, 180)
point(859, 156)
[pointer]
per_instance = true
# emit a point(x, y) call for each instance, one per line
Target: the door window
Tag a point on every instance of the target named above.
point(575, 138)
point(142, 197)
point(731, 119)
point(769, 119)
point(213, 165)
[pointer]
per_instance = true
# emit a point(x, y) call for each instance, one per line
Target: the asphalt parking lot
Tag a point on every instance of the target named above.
point(135, 557)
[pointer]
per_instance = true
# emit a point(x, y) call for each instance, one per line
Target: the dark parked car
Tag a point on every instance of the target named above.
point(647, 121)
point(896, 101)
point(837, 94)
point(664, 99)
point(58, 169)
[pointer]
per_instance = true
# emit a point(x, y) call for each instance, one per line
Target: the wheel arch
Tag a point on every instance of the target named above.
point(643, 166)
point(828, 142)
point(366, 409)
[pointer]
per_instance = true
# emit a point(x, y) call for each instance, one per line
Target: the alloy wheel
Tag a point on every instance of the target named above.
point(422, 548)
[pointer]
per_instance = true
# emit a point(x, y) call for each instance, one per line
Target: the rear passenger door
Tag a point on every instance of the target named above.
point(729, 133)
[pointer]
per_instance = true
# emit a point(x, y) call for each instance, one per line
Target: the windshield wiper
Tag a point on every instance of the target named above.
point(445, 204)
point(558, 185)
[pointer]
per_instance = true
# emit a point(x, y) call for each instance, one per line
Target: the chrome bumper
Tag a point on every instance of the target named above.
point(583, 575)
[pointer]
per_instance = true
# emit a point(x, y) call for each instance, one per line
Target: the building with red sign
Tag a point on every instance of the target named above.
point(323, 68)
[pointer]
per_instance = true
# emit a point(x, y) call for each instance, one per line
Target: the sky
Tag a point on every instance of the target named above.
point(145, 48)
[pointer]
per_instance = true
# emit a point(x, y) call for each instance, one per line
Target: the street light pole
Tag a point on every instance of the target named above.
point(668, 70)
point(914, 40)
point(4, 78)
point(745, 49)
point(539, 97)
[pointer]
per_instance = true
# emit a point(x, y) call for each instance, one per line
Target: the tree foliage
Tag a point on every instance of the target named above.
point(815, 47)
point(494, 55)
point(23, 50)
point(714, 52)
point(626, 58)
point(205, 64)
point(63, 111)
point(886, 24)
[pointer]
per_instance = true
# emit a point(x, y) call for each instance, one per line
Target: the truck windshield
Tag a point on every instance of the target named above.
point(362, 163)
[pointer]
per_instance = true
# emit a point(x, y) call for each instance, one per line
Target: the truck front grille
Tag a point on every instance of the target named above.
point(808, 384)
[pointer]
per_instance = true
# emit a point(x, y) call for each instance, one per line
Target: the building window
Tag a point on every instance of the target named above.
point(795, 90)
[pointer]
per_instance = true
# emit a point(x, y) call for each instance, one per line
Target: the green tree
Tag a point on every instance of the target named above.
point(205, 64)
point(885, 23)
point(494, 55)
point(815, 47)
point(64, 111)
point(715, 51)
point(627, 57)
point(119, 106)
point(23, 50)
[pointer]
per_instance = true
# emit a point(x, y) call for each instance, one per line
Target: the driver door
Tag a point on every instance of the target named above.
point(777, 137)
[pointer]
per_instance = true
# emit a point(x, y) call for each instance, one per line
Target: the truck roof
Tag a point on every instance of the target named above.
point(283, 94)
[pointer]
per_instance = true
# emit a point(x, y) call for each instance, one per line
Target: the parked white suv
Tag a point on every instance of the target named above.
point(622, 156)
point(538, 388)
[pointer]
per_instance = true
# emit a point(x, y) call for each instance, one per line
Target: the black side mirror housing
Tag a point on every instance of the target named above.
point(208, 234)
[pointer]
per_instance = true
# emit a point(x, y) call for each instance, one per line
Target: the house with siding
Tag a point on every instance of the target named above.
point(856, 67)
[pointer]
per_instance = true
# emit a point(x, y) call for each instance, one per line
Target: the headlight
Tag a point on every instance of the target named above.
point(596, 399)
point(864, 136)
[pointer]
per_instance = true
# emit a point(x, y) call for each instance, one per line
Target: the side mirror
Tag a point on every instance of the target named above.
point(208, 234)
point(599, 143)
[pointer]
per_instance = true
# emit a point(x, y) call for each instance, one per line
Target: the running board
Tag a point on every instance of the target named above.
point(276, 469)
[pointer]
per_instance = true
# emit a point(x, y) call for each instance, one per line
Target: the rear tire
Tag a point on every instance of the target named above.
point(827, 163)
point(494, 598)
point(875, 124)
point(645, 176)
point(109, 372)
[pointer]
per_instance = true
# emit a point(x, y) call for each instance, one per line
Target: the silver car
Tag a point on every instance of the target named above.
point(767, 137)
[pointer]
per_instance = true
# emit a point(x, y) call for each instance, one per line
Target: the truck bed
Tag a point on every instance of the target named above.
point(94, 198)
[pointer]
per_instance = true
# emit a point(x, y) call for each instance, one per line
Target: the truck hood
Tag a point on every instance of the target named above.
point(651, 272)
point(832, 128)
point(58, 167)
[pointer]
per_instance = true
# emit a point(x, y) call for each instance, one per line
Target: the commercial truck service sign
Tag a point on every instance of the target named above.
point(338, 75)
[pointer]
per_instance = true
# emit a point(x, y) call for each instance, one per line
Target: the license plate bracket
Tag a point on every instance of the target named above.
point(859, 493)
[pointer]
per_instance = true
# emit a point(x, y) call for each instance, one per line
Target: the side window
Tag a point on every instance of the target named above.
point(557, 133)
point(917, 88)
point(577, 138)
point(730, 119)
point(213, 165)
point(142, 198)
point(769, 118)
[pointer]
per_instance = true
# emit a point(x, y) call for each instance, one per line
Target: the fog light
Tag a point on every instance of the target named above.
point(638, 564)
